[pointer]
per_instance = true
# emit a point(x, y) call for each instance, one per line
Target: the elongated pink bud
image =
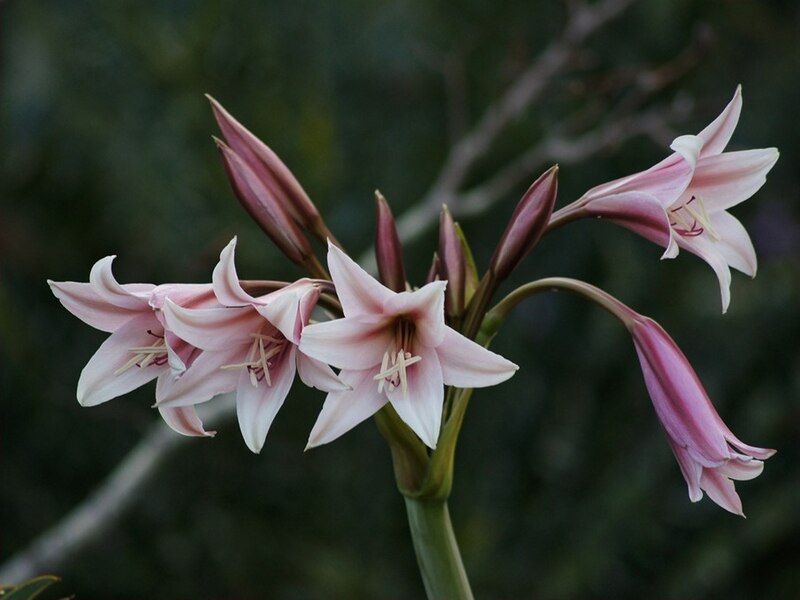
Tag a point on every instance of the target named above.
point(268, 167)
point(262, 205)
point(710, 457)
point(526, 225)
point(388, 251)
point(453, 264)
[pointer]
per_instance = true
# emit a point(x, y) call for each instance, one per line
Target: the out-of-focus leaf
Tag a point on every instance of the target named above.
point(30, 589)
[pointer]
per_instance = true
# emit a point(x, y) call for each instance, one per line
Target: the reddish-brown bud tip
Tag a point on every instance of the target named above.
point(453, 264)
point(269, 168)
point(527, 224)
point(261, 204)
point(388, 251)
point(433, 272)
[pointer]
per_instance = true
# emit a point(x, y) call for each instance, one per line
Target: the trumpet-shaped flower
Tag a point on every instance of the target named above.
point(710, 457)
point(140, 348)
point(683, 201)
point(249, 345)
point(393, 347)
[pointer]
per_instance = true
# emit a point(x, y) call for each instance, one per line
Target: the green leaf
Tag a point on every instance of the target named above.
point(30, 589)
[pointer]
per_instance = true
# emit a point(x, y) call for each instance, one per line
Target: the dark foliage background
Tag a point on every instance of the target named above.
point(565, 487)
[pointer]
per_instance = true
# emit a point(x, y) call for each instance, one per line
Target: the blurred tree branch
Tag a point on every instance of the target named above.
point(102, 508)
point(120, 490)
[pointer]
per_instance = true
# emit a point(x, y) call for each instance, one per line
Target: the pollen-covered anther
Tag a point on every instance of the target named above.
point(395, 375)
point(263, 348)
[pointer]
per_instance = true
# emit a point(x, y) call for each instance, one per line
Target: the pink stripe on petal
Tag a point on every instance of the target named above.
point(466, 364)
point(257, 406)
point(640, 212)
point(84, 302)
point(344, 410)
point(717, 134)
point(721, 490)
point(317, 374)
point(213, 328)
point(709, 252)
point(734, 243)
point(724, 180)
point(185, 421)
point(349, 343)
point(99, 381)
point(421, 407)
point(110, 290)
point(204, 380)
point(425, 307)
point(225, 280)
point(358, 292)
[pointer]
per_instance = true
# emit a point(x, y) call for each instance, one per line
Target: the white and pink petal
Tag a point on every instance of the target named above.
point(344, 410)
point(466, 364)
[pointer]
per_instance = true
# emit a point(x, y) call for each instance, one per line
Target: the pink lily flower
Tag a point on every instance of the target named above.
point(140, 348)
point(710, 457)
point(250, 346)
point(393, 347)
point(683, 201)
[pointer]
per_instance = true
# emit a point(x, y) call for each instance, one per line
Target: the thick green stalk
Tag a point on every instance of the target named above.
point(437, 551)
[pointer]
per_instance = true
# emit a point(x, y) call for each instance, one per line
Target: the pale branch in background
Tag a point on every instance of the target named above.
point(584, 20)
point(122, 488)
point(103, 507)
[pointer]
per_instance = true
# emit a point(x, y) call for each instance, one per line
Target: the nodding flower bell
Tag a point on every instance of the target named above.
point(264, 206)
point(683, 201)
point(141, 347)
point(388, 251)
point(453, 264)
point(710, 457)
point(250, 346)
point(527, 224)
point(268, 167)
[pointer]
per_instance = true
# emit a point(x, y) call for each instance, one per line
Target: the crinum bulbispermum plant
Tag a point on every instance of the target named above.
point(411, 356)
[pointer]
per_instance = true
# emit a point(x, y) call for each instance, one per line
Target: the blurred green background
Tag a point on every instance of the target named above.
point(565, 487)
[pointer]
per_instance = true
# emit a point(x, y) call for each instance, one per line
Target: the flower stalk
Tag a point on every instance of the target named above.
point(435, 545)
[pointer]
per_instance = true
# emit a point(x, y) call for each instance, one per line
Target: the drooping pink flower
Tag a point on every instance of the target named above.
point(710, 457)
point(683, 201)
point(140, 348)
point(249, 345)
point(393, 347)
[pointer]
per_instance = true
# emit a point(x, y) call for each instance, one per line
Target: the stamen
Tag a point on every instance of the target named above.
point(146, 355)
point(700, 221)
point(396, 375)
point(257, 363)
point(702, 216)
point(380, 377)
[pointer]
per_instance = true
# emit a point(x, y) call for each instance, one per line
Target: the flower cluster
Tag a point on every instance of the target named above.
point(407, 352)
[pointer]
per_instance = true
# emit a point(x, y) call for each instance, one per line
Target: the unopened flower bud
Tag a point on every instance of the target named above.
point(453, 265)
point(268, 167)
point(388, 251)
point(262, 205)
point(526, 225)
point(433, 272)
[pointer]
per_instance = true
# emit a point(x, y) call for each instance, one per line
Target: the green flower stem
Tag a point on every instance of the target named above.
point(495, 317)
point(437, 552)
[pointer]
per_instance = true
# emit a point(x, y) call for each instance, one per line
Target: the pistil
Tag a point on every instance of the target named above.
point(700, 222)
